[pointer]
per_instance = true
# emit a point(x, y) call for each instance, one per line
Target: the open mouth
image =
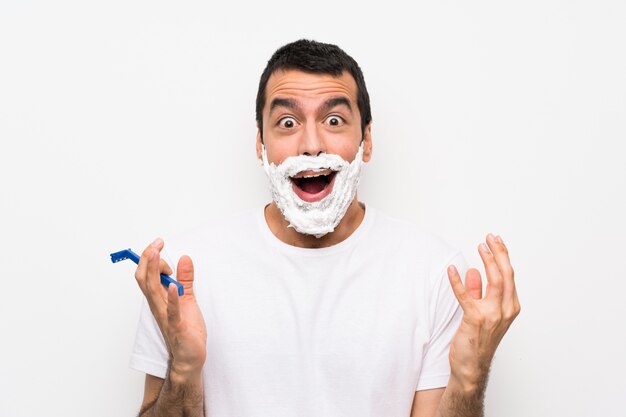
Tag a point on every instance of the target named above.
point(313, 186)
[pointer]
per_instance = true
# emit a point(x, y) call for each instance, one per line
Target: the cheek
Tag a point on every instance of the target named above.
point(277, 154)
point(348, 150)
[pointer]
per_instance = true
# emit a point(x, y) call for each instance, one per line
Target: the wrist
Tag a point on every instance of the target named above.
point(185, 374)
point(463, 386)
point(469, 375)
point(462, 397)
point(468, 381)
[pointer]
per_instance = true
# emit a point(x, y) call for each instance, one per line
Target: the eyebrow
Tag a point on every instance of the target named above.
point(334, 102)
point(284, 102)
point(327, 105)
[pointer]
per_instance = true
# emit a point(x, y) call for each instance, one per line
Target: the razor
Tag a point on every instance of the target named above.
point(166, 280)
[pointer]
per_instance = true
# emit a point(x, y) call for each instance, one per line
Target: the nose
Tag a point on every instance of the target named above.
point(311, 142)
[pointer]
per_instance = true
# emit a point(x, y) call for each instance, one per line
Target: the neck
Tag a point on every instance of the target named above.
point(280, 227)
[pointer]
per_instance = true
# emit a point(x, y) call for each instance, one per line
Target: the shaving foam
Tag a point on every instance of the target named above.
point(320, 217)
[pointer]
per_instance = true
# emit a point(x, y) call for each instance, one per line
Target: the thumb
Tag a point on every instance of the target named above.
point(184, 274)
point(473, 284)
point(460, 292)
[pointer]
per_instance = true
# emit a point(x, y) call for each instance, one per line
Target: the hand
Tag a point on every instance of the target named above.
point(485, 320)
point(179, 318)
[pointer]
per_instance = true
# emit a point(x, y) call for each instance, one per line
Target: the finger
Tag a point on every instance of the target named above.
point(141, 273)
point(473, 284)
point(501, 256)
point(155, 291)
point(165, 268)
point(460, 292)
point(494, 279)
point(173, 307)
point(514, 308)
point(185, 275)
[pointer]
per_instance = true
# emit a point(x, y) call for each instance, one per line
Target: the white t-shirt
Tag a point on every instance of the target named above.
point(349, 330)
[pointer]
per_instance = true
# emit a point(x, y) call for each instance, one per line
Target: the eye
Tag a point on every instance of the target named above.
point(287, 122)
point(335, 120)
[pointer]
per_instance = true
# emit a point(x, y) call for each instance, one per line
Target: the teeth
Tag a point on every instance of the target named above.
point(323, 173)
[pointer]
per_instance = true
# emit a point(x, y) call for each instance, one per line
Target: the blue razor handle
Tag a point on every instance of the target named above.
point(166, 280)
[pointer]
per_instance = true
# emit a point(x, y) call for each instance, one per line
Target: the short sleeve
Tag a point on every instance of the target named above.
point(445, 318)
point(149, 354)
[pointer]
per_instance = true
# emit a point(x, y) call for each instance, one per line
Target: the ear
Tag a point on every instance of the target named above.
point(367, 142)
point(259, 145)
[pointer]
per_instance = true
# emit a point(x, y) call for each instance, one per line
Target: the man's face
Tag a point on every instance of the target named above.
point(309, 114)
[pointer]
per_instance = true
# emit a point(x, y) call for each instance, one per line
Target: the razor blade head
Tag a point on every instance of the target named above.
point(120, 256)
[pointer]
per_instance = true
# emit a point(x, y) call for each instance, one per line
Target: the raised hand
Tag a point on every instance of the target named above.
point(179, 318)
point(485, 320)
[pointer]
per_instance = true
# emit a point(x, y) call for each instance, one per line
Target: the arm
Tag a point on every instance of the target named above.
point(182, 326)
point(152, 388)
point(172, 396)
point(451, 401)
point(447, 402)
point(426, 402)
point(485, 321)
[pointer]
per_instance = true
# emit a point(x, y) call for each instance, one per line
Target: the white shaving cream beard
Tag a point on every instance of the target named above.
point(320, 217)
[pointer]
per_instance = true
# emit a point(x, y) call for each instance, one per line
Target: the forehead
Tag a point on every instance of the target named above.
point(304, 85)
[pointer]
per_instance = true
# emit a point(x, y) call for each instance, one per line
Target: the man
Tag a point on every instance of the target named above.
point(318, 305)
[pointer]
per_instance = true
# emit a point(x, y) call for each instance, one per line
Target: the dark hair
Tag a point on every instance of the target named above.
point(317, 58)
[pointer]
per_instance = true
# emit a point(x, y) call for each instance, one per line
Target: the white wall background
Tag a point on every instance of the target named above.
point(125, 120)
